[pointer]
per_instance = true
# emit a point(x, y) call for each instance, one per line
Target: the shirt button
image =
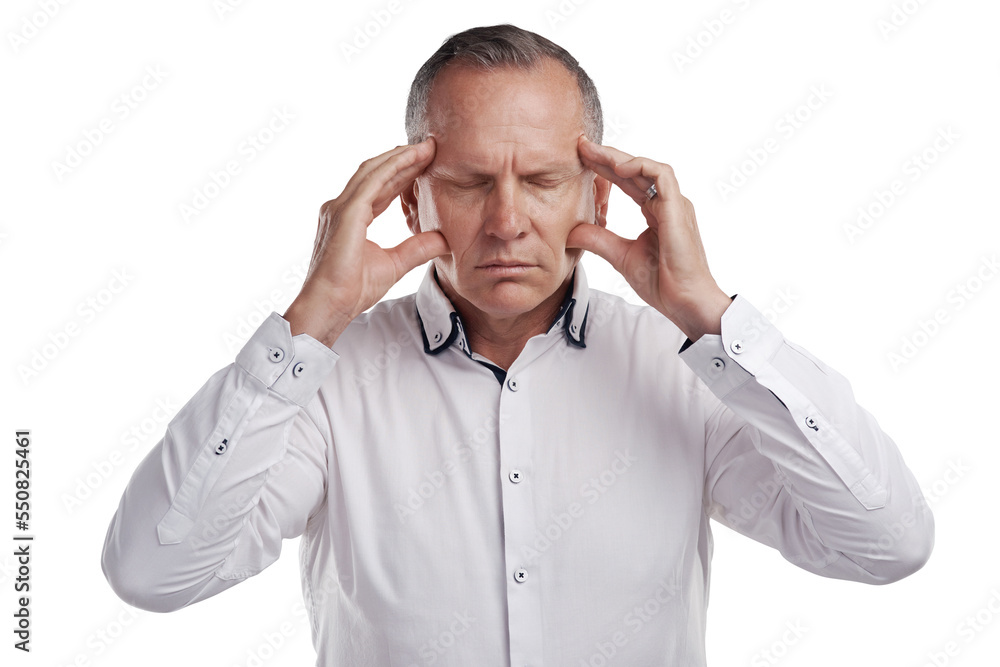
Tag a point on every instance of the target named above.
point(515, 476)
point(574, 328)
point(437, 337)
point(512, 384)
point(812, 423)
point(299, 369)
point(520, 574)
point(222, 447)
point(736, 346)
point(716, 366)
point(275, 354)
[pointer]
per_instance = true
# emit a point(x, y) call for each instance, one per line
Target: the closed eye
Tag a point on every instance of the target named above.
point(545, 185)
point(472, 185)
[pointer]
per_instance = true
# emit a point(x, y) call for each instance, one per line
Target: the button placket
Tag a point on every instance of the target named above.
point(520, 525)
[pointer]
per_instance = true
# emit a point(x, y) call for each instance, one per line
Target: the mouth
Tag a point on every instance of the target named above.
point(504, 263)
point(505, 267)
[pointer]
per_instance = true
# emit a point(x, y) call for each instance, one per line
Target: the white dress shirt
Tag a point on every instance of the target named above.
point(556, 514)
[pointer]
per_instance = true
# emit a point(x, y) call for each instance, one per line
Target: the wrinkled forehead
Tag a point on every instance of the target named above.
point(480, 117)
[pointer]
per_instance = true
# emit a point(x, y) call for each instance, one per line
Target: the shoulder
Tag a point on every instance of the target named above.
point(389, 321)
point(611, 316)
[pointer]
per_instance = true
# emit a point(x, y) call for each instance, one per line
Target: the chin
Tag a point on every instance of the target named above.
point(508, 298)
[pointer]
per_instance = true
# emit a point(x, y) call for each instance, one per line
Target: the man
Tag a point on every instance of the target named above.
point(508, 467)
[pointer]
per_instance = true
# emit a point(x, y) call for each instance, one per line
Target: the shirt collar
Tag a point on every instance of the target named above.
point(441, 325)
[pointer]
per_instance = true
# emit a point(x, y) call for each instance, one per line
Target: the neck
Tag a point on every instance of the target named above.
point(501, 338)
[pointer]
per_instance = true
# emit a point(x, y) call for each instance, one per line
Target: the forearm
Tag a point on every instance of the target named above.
point(217, 473)
point(847, 504)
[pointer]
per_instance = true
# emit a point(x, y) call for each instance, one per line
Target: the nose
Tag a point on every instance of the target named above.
point(505, 216)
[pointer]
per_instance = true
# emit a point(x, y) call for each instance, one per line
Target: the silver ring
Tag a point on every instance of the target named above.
point(651, 192)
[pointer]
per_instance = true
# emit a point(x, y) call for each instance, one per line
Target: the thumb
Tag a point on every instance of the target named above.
point(600, 241)
point(418, 249)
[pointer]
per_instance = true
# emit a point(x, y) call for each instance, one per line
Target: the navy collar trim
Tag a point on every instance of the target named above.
point(441, 325)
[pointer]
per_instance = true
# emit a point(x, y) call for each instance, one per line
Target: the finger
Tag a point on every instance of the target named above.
point(376, 189)
point(656, 172)
point(600, 241)
point(603, 161)
point(399, 182)
point(416, 250)
point(373, 163)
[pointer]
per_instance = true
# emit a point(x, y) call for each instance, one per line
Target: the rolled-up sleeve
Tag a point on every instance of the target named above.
point(794, 462)
point(240, 468)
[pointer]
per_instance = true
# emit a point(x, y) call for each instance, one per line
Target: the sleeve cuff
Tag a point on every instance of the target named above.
point(747, 343)
point(292, 366)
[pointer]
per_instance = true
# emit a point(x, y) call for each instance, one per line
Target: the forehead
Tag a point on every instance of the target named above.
point(478, 117)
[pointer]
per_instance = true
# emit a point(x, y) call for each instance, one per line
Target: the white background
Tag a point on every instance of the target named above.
point(192, 289)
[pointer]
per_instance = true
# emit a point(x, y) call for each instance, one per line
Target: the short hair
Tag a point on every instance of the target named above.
point(494, 47)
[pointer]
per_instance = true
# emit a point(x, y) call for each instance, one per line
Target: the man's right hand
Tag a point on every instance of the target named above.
point(348, 273)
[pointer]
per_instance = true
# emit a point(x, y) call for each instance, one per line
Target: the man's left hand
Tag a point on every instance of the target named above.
point(666, 264)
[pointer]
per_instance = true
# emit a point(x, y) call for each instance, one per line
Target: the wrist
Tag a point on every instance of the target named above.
point(703, 315)
point(306, 317)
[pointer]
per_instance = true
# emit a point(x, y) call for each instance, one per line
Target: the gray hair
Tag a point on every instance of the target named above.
point(493, 47)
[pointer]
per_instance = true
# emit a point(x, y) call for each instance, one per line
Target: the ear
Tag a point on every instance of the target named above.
point(602, 193)
point(408, 199)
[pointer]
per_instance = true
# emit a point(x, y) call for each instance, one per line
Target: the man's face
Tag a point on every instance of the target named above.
point(506, 186)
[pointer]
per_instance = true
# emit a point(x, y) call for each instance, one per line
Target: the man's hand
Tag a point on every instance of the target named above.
point(666, 264)
point(348, 273)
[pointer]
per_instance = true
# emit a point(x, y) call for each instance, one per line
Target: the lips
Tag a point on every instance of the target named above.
point(505, 268)
point(504, 263)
